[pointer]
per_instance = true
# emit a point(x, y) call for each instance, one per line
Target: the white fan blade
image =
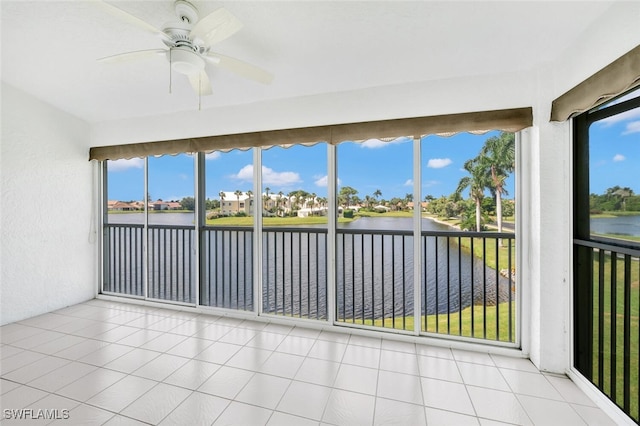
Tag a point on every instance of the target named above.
point(241, 68)
point(216, 26)
point(129, 56)
point(200, 83)
point(127, 17)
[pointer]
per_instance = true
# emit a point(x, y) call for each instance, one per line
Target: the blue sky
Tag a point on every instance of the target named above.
point(614, 149)
point(367, 166)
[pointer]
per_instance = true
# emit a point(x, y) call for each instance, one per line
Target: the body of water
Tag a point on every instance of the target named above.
point(374, 272)
point(619, 225)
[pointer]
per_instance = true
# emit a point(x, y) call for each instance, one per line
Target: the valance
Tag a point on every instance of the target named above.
point(614, 79)
point(510, 120)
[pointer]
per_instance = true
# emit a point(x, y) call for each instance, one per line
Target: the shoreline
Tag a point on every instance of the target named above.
point(442, 222)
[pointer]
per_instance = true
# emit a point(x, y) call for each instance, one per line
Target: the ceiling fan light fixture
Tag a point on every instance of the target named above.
point(185, 61)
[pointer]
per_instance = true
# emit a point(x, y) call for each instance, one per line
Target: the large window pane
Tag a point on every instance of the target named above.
point(374, 270)
point(468, 184)
point(171, 239)
point(124, 227)
point(227, 239)
point(294, 199)
point(614, 176)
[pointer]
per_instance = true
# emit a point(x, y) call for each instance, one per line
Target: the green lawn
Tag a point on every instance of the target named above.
point(483, 321)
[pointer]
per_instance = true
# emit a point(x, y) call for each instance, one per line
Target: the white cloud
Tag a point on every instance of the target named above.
point(377, 143)
point(212, 155)
point(409, 182)
point(633, 127)
point(323, 181)
point(438, 163)
point(618, 157)
point(121, 165)
point(269, 176)
point(430, 183)
point(245, 173)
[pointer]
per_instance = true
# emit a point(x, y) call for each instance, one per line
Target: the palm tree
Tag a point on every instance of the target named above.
point(476, 182)
point(279, 201)
point(312, 202)
point(238, 193)
point(266, 195)
point(623, 194)
point(249, 194)
point(377, 194)
point(221, 194)
point(408, 198)
point(498, 155)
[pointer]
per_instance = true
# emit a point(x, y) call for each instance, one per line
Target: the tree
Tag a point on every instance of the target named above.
point(377, 194)
point(222, 196)
point(346, 192)
point(408, 198)
point(211, 204)
point(498, 156)
point(238, 193)
point(265, 199)
point(188, 203)
point(249, 194)
point(477, 181)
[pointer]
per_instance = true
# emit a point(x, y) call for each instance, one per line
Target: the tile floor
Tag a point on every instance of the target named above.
point(120, 364)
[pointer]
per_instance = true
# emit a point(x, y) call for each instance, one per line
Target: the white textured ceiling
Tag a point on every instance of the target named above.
point(49, 48)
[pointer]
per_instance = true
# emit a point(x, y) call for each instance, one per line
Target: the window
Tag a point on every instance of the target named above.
point(607, 248)
point(294, 232)
point(227, 238)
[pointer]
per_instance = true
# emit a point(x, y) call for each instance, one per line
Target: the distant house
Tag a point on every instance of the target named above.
point(231, 204)
point(172, 205)
point(159, 205)
point(120, 206)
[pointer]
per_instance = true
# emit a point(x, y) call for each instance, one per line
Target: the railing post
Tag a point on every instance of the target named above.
point(331, 232)
point(257, 232)
point(417, 237)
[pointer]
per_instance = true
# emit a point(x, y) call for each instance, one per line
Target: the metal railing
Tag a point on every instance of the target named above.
point(374, 278)
point(606, 320)
point(467, 278)
point(227, 267)
point(123, 259)
point(468, 284)
point(294, 271)
point(172, 263)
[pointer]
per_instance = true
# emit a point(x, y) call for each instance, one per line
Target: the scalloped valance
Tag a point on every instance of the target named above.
point(510, 120)
point(616, 78)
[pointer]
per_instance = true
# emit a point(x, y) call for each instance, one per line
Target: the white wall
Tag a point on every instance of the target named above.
point(548, 214)
point(509, 90)
point(48, 257)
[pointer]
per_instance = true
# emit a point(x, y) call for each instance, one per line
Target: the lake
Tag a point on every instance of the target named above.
point(619, 225)
point(374, 272)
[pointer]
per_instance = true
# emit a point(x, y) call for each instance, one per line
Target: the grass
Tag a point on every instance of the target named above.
point(484, 322)
point(619, 237)
point(489, 249)
point(613, 214)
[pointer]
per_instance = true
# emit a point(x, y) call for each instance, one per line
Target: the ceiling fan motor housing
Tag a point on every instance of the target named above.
point(185, 61)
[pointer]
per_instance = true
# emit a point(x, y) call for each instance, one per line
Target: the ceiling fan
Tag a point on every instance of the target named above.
point(188, 40)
